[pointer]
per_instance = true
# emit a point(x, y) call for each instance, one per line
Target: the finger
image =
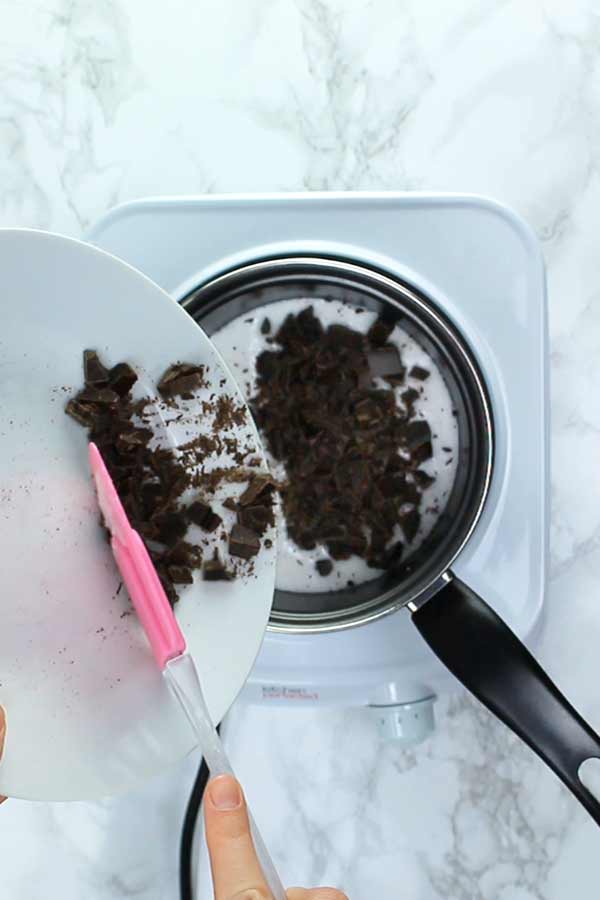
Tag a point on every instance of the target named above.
point(2, 733)
point(233, 860)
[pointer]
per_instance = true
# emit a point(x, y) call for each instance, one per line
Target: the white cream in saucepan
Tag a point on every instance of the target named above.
point(240, 342)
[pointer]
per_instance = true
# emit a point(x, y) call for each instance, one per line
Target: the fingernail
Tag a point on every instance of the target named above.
point(224, 792)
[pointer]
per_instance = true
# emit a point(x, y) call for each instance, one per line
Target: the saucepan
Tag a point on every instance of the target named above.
point(465, 632)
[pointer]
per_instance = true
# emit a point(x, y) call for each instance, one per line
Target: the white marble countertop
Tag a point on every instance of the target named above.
point(105, 101)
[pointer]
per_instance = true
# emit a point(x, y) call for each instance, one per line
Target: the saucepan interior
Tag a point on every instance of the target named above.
point(260, 284)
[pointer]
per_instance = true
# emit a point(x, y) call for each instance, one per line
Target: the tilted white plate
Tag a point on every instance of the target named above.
point(88, 711)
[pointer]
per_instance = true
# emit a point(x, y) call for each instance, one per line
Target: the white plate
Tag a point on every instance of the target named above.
point(88, 711)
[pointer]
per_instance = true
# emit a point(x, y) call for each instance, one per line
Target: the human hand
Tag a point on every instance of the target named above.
point(235, 868)
point(2, 733)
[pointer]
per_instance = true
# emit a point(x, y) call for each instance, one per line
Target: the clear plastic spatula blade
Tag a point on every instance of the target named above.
point(167, 640)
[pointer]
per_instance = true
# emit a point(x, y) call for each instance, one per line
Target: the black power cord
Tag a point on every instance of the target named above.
point(186, 851)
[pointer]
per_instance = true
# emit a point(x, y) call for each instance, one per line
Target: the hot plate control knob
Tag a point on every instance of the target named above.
point(406, 723)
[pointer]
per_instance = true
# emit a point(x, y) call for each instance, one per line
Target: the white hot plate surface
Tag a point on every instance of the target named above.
point(88, 711)
point(483, 266)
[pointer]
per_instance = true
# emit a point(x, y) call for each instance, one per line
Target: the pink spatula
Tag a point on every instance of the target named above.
point(167, 640)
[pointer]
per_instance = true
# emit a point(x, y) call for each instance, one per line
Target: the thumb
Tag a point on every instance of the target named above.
point(235, 868)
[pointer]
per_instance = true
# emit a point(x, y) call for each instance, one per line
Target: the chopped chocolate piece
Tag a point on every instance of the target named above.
point(181, 380)
point(184, 554)
point(171, 526)
point(215, 570)
point(133, 439)
point(260, 486)
point(324, 566)
point(379, 332)
point(409, 397)
point(122, 378)
point(231, 504)
point(423, 478)
point(417, 433)
point(95, 374)
point(265, 328)
point(419, 373)
point(82, 412)
point(385, 362)
point(410, 520)
point(167, 585)
point(180, 575)
point(393, 555)
point(368, 413)
point(103, 396)
point(257, 518)
point(201, 514)
point(243, 542)
point(345, 337)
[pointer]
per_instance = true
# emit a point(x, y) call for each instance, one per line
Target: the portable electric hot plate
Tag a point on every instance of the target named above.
point(469, 274)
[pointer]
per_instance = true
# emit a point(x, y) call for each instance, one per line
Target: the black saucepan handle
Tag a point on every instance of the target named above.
point(482, 652)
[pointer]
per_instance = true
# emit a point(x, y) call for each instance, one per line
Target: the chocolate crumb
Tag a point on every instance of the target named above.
point(324, 566)
point(419, 373)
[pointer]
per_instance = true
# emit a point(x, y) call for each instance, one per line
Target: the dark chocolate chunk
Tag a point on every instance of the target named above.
point(181, 380)
point(171, 525)
point(409, 397)
point(84, 413)
point(259, 486)
point(122, 378)
point(180, 575)
point(410, 520)
point(423, 478)
point(103, 396)
point(393, 555)
point(257, 518)
point(243, 542)
point(230, 503)
point(385, 362)
point(419, 373)
point(265, 327)
point(379, 332)
point(215, 570)
point(324, 566)
point(184, 554)
point(417, 433)
point(201, 514)
point(95, 374)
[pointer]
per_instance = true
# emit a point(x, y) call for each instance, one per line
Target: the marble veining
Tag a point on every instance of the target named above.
point(104, 101)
